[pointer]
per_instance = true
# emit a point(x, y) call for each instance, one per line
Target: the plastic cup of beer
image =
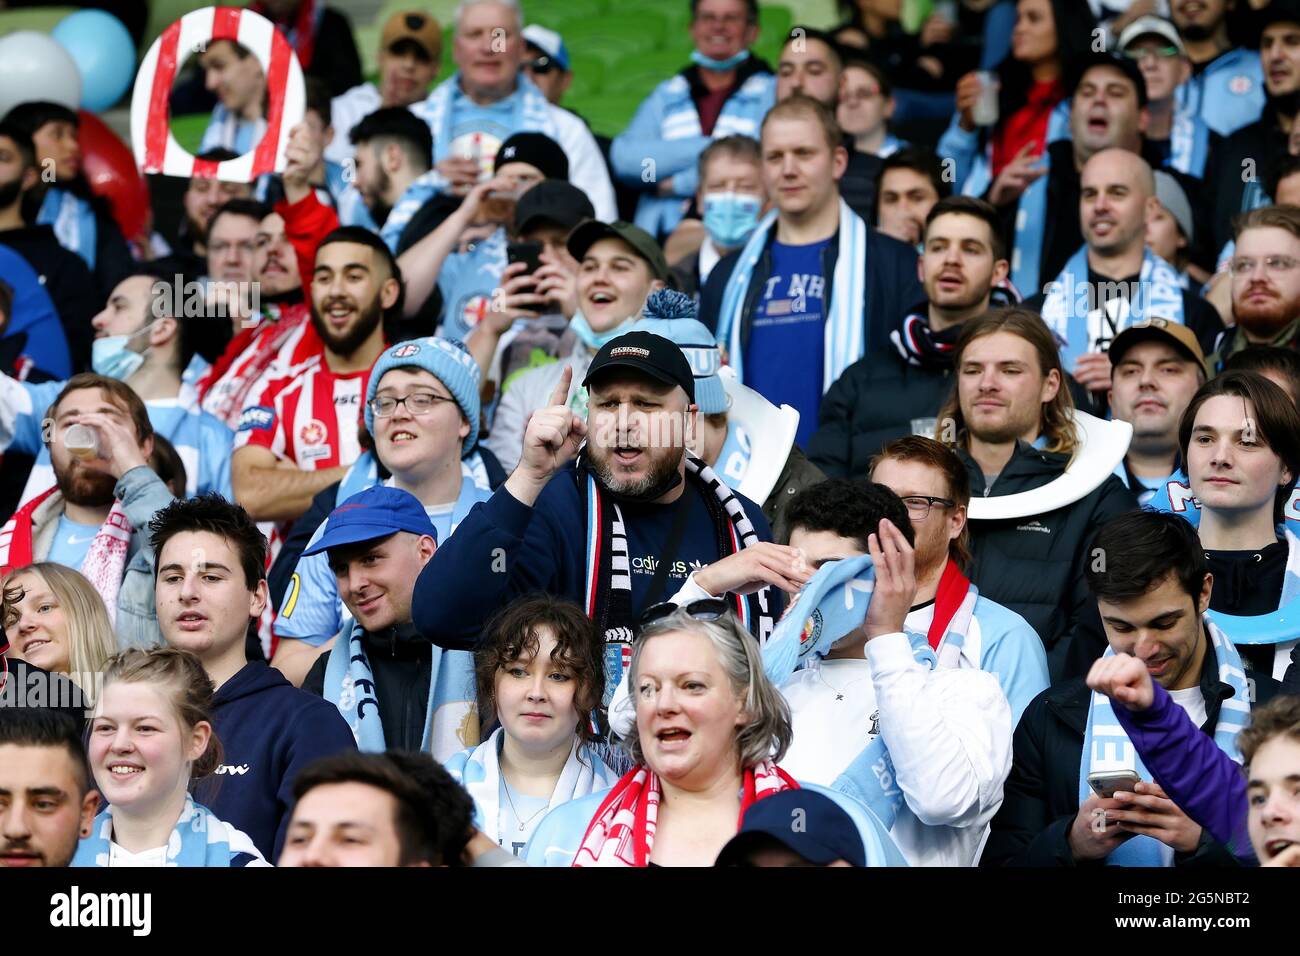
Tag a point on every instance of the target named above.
point(81, 441)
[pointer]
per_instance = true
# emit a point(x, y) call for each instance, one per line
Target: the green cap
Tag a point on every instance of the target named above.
point(590, 231)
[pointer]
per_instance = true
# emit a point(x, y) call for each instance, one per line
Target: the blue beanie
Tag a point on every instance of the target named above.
point(671, 314)
point(444, 359)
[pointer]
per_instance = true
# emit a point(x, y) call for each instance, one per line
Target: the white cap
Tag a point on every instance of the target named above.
point(1148, 26)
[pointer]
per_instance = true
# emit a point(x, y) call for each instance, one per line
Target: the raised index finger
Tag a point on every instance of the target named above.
point(560, 395)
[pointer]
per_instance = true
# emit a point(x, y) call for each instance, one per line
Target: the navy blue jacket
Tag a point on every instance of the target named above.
point(269, 731)
point(891, 287)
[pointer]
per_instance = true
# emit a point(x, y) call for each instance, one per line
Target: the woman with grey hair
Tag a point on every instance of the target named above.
point(710, 729)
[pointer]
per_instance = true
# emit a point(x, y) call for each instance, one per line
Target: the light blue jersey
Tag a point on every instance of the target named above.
point(71, 543)
point(466, 282)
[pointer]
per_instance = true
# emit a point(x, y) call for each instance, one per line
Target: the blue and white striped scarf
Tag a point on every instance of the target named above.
point(478, 770)
point(742, 113)
point(416, 195)
point(1106, 746)
point(1189, 144)
point(74, 224)
point(1082, 322)
point(532, 112)
point(198, 839)
point(450, 719)
point(1282, 627)
point(845, 331)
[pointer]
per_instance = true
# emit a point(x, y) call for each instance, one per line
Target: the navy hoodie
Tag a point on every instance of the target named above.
point(269, 731)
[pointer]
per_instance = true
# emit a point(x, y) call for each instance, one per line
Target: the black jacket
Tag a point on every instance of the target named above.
point(1257, 149)
point(72, 287)
point(873, 402)
point(401, 661)
point(891, 286)
point(1035, 565)
point(1041, 796)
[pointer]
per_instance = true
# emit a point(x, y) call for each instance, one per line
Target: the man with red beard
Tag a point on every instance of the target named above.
point(1265, 274)
point(96, 517)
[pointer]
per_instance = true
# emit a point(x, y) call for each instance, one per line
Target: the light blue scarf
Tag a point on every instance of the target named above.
point(733, 460)
point(74, 223)
point(532, 112)
point(845, 327)
point(1082, 323)
point(478, 770)
point(198, 839)
point(415, 196)
point(449, 715)
point(1189, 144)
point(1106, 746)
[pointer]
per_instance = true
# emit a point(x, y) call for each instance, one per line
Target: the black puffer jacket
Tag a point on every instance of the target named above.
point(1041, 796)
point(1035, 565)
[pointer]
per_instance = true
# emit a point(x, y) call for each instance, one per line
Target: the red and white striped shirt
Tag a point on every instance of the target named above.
point(310, 417)
point(276, 346)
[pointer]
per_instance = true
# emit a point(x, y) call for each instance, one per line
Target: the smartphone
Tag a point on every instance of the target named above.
point(1107, 783)
point(530, 254)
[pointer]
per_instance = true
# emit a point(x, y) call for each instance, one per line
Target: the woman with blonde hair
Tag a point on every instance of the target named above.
point(57, 621)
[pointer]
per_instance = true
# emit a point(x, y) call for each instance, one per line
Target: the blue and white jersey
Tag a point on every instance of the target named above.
point(202, 441)
point(1228, 94)
point(466, 282)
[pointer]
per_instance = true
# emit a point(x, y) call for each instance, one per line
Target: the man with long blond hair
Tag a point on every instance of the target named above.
point(1010, 420)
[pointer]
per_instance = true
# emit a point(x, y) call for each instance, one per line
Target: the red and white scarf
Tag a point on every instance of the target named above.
point(622, 833)
point(105, 563)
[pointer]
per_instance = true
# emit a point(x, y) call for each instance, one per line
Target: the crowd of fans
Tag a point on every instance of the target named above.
point(908, 475)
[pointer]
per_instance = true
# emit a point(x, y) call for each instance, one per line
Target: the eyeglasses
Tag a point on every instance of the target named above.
point(1163, 52)
point(222, 247)
point(417, 404)
point(1242, 266)
point(543, 65)
point(918, 506)
point(704, 609)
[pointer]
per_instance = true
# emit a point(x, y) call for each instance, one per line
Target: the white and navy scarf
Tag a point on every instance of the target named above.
point(532, 112)
point(73, 219)
point(1082, 323)
point(845, 331)
point(198, 839)
point(478, 770)
point(608, 597)
point(1106, 746)
point(450, 717)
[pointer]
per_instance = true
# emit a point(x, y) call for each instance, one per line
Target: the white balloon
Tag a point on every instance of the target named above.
point(35, 66)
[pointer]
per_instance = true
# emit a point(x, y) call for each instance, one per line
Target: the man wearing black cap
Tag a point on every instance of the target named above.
point(618, 530)
point(795, 828)
point(465, 256)
point(619, 265)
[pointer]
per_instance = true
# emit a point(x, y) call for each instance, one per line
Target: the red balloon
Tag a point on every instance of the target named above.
point(110, 168)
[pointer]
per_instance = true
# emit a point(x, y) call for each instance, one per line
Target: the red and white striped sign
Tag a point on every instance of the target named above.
point(156, 150)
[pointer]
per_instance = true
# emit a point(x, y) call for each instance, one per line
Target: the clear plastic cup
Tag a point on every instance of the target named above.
point(985, 112)
point(81, 441)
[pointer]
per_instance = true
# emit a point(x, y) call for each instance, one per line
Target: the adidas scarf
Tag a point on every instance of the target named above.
point(918, 345)
point(622, 833)
point(1083, 322)
point(845, 326)
point(450, 718)
point(74, 224)
point(479, 772)
point(532, 112)
point(1106, 746)
point(198, 839)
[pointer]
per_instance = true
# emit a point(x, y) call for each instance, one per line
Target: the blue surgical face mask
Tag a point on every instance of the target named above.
point(730, 218)
point(590, 337)
point(708, 63)
point(111, 357)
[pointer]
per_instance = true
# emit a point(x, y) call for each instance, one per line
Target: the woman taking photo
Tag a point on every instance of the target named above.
point(539, 672)
point(150, 737)
point(56, 621)
point(710, 729)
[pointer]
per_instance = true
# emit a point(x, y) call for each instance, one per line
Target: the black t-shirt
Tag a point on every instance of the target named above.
point(648, 530)
point(1248, 583)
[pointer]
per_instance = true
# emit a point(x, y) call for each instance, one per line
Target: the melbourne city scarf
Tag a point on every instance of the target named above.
point(1106, 746)
point(105, 562)
point(416, 195)
point(622, 833)
point(532, 112)
point(479, 772)
point(608, 600)
point(450, 719)
point(845, 327)
point(1083, 320)
point(1282, 627)
point(1189, 144)
point(74, 224)
point(198, 839)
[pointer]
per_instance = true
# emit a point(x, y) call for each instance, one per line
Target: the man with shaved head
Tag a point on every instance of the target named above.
point(1114, 280)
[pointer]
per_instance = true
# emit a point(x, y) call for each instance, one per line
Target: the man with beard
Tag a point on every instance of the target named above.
point(64, 275)
point(298, 435)
point(618, 530)
point(96, 518)
point(1226, 87)
point(47, 797)
point(962, 259)
point(1265, 272)
point(1261, 146)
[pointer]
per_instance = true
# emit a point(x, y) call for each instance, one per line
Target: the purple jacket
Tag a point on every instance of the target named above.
point(1189, 766)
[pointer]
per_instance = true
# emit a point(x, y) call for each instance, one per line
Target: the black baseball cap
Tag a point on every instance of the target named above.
point(1278, 11)
point(805, 822)
point(649, 353)
point(552, 201)
point(593, 230)
point(1123, 64)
